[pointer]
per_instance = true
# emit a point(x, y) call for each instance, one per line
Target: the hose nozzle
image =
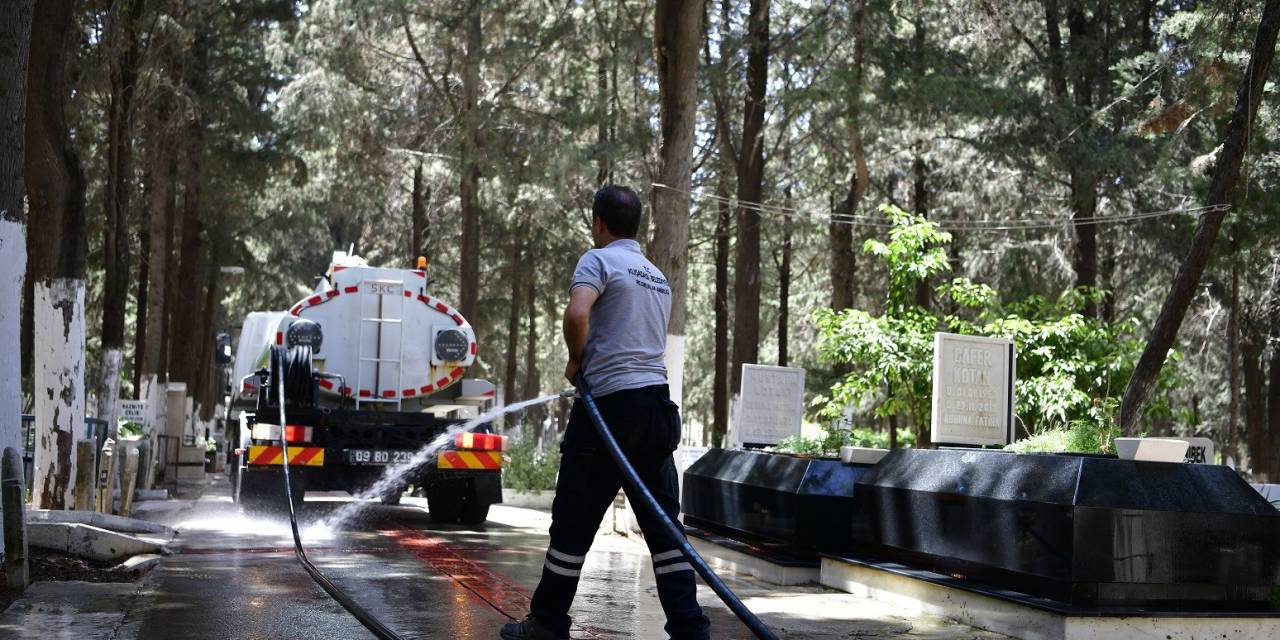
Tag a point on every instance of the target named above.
point(569, 392)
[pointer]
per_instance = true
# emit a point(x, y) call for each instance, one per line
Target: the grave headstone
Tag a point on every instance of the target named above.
point(1199, 450)
point(770, 405)
point(972, 390)
point(134, 411)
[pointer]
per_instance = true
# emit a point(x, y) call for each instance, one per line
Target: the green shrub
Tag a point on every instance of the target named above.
point(526, 470)
point(1071, 367)
point(831, 441)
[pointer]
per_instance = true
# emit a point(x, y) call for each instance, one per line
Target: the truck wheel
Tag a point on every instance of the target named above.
point(444, 505)
point(474, 511)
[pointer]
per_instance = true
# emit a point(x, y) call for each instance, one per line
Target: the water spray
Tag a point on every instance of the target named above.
point(636, 488)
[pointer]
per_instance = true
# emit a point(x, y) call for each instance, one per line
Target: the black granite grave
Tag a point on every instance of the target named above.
point(1086, 530)
point(799, 506)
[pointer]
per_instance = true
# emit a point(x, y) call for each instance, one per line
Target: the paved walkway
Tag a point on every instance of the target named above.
point(236, 577)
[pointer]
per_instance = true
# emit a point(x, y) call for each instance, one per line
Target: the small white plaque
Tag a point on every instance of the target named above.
point(972, 389)
point(1199, 450)
point(771, 404)
point(133, 411)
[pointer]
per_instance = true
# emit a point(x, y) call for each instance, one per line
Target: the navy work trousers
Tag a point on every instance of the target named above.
point(647, 426)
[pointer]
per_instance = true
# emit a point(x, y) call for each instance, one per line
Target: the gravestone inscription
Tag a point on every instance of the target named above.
point(770, 405)
point(972, 390)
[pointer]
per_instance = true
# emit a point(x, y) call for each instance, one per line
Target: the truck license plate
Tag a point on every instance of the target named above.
point(374, 456)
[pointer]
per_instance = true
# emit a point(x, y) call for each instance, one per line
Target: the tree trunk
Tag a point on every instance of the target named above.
point(469, 185)
point(161, 173)
point(1084, 205)
point(1255, 407)
point(1221, 194)
point(677, 34)
point(784, 285)
point(532, 380)
point(843, 260)
point(15, 40)
point(1272, 463)
point(184, 355)
point(515, 271)
point(204, 392)
point(604, 168)
point(746, 266)
point(1230, 445)
point(920, 205)
point(119, 179)
point(141, 287)
point(421, 194)
point(55, 190)
point(720, 381)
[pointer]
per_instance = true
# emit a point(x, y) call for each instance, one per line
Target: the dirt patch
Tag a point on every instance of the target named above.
point(48, 566)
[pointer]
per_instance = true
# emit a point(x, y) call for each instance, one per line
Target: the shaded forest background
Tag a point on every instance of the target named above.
point(1061, 143)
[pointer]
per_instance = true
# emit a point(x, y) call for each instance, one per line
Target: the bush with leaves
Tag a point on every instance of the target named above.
point(527, 470)
point(1070, 367)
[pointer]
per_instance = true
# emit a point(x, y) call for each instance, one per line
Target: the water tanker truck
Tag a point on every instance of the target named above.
point(374, 369)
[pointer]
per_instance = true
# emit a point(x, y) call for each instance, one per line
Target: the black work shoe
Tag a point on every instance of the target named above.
point(528, 629)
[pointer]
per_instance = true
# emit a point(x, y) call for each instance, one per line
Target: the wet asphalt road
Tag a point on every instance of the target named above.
point(234, 576)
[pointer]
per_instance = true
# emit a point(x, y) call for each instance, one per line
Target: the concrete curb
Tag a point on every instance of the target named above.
point(85, 541)
point(100, 520)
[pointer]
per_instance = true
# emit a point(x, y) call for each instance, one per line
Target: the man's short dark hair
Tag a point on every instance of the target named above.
point(619, 208)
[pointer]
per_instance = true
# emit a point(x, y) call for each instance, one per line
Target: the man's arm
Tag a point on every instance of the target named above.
point(577, 317)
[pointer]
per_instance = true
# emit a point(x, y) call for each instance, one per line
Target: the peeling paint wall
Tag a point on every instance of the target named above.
point(13, 262)
point(109, 391)
point(58, 306)
point(153, 392)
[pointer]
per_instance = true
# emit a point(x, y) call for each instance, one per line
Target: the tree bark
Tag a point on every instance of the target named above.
point(1230, 446)
point(784, 283)
point(843, 257)
point(55, 195)
point(421, 194)
point(532, 379)
point(1221, 194)
point(123, 28)
point(750, 169)
point(1255, 407)
point(1272, 463)
point(15, 40)
point(677, 36)
point(720, 382)
point(469, 185)
point(920, 205)
point(514, 272)
point(184, 360)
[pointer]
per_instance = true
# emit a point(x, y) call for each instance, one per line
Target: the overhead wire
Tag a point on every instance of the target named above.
point(879, 222)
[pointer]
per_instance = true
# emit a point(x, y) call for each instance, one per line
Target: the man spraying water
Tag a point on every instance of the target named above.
point(615, 328)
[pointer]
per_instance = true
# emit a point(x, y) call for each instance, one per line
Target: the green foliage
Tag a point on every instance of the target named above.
point(130, 431)
point(527, 470)
point(1071, 368)
point(1094, 434)
point(833, 438)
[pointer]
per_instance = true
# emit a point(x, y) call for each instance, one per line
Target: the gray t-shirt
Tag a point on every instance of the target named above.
point(628, 324)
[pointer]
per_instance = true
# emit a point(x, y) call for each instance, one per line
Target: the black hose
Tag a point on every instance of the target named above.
point(279, 362)
point(636, 487)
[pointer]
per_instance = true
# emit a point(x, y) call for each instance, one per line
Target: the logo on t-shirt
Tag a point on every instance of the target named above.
point(648, 280)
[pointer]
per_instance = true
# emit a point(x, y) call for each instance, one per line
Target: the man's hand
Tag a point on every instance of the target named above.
point(571, 372)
